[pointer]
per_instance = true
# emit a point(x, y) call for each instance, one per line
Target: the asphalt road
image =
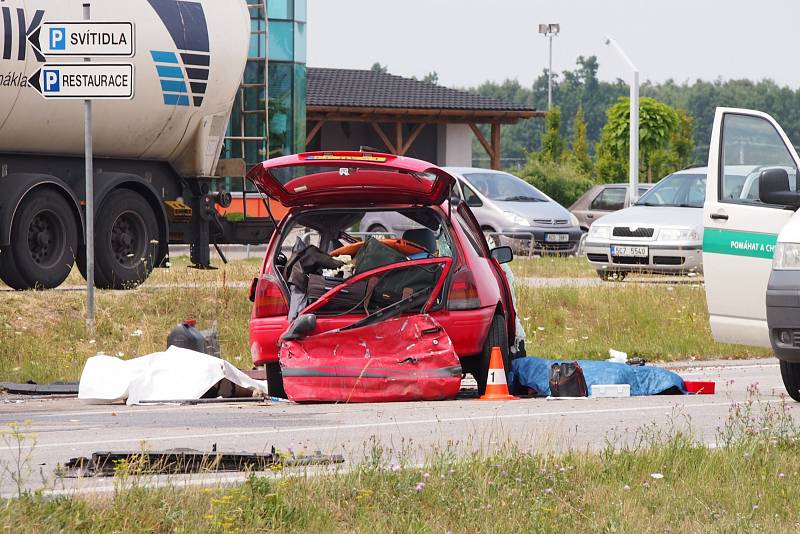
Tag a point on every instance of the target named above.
point(66, 428)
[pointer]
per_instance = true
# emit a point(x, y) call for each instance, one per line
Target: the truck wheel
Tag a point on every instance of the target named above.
point(275, 380)
point(44, 242)
point(126, 234)
point(497, 337)
point(790, 372)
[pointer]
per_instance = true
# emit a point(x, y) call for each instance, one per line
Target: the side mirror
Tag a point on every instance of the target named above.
point(474, 202)
point(503, 254)
point(773, 188)
point(300, 327)
point(280, 260)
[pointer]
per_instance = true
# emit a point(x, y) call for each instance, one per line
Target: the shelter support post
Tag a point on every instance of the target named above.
point(492, 148)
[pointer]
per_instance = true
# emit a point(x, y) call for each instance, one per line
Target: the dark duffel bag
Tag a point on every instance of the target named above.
point(567, 380)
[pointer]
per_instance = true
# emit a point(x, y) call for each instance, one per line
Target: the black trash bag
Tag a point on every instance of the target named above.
point(567, 380)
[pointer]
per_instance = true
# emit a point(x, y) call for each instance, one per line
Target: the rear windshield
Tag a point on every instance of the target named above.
point(504, 187)
point(322, 249)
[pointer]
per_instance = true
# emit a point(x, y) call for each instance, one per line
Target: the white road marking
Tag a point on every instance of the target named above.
point(317, 429)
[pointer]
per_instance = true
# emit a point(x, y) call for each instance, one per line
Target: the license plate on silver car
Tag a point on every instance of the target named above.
point(626, 251)
point(556, 238)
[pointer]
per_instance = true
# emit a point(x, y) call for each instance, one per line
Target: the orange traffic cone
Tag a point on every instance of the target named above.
point(496, 386)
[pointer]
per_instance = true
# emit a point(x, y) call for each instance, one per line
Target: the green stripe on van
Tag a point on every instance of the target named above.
point(737, 243)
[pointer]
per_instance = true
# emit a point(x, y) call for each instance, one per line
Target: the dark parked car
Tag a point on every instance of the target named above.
point(601, 200)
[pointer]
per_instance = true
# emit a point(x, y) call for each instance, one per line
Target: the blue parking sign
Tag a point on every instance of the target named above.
point(52, 81)
point(58, 38)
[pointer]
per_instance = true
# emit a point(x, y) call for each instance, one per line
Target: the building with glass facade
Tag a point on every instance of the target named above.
point(269, 114)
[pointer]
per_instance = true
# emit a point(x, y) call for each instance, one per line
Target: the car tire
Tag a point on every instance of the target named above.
point(611, 276)
point(44, 242)
point(790, 372)
point(489, 235)
point(497, 337)
point(124, 251)
point(275, 380)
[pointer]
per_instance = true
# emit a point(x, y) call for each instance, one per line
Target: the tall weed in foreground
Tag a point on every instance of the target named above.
point(17, 464)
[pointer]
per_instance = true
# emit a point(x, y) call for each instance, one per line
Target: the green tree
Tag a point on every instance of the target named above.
point(580, 150)
point(680, 152)
point(657, 121)
point(552, 142)
point(563, 181)
point(610, 166)
point(380, 69)
point(431, 77)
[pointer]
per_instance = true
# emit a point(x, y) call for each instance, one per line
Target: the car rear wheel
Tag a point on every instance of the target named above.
point(790, 372)
point(497, 337)
point(275, 380)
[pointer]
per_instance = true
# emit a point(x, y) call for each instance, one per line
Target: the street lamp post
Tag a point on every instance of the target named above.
point(634, 129)
point(550, 31)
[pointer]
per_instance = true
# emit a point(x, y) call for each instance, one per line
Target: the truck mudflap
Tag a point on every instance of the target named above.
point(405, 358)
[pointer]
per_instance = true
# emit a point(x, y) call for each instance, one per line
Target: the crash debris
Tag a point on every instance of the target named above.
point(187, 461)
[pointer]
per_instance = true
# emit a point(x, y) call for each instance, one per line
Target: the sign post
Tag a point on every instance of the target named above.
point(85, 81)
point(89, 155)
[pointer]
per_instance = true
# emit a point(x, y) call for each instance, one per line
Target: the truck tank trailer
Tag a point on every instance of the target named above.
point(155, 155)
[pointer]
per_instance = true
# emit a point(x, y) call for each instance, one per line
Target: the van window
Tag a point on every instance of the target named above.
point(610, 199)
point(750, 145)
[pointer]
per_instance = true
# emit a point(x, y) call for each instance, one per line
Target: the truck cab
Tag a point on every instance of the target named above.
point(751, 245)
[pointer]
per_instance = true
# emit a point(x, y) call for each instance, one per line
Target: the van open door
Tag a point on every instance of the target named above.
point(740, 230)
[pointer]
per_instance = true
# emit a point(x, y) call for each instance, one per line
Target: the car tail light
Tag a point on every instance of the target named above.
point(463, 292)
point(269, 298)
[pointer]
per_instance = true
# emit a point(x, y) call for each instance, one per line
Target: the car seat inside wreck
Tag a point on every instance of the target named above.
point(321, 251)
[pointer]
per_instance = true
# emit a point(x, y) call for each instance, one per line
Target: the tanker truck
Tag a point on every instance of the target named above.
point(156, 156)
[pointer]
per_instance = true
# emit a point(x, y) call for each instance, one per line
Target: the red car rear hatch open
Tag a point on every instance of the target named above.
point(351, 179)
point(403, 357)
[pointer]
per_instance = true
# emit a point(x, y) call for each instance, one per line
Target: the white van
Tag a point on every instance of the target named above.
point(752, 298)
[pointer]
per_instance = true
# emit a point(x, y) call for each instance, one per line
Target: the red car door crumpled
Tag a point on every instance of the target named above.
point(405, 358)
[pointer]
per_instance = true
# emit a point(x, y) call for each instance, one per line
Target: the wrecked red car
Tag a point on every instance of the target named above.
point(343, 316)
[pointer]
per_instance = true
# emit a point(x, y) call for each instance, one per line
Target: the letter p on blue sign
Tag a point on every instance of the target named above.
point(52, 81)
point(58, 38)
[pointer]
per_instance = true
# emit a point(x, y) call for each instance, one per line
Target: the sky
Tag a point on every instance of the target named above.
point(471, 41)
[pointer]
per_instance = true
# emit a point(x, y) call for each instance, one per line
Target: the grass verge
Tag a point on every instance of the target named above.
point(552, 267)
point(666, 482)
point(43, 338)
point(43, 335)
point(657, 322)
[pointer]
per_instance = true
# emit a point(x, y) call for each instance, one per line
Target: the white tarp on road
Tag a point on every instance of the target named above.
point(177, 374)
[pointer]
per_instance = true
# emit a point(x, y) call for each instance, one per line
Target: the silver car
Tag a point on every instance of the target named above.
point(510, 211)
point(661, 233)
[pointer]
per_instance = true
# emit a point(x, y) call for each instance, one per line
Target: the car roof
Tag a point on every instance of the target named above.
point(692, 170)
point(467, 170)
point(624, 184)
